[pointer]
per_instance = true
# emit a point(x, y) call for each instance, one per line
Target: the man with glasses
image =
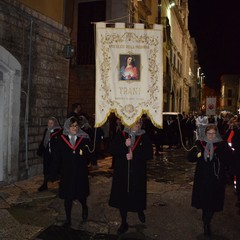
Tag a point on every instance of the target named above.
point(71, 164)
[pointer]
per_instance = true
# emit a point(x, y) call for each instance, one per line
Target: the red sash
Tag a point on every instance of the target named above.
point(229, 140)
point(70, 145)
point(136, 142)
point(55, 133)
point(215, 147)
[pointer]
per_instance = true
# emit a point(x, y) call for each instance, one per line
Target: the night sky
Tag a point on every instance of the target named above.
point(215, 25)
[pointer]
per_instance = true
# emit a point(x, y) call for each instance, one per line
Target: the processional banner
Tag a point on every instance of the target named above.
point(129, 75)
point(210, 106)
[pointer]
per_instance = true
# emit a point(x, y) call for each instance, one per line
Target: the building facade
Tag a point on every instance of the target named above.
point(196, 83)
point(48, 62)
point(179, 74)
point(33, 82)
point(230, 93)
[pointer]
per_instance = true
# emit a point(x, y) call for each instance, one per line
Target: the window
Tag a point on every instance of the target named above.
point(229, 93)
point(179, 66)
point(190, 92)
point(88, 12)
point(229, 102)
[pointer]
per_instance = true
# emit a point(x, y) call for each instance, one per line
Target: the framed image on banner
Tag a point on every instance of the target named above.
point(129, 73)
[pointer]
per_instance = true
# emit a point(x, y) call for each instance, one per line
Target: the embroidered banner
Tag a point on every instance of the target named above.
point(210, 106)
point(129, 76)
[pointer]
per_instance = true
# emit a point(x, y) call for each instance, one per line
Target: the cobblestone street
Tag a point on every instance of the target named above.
point(28, 214)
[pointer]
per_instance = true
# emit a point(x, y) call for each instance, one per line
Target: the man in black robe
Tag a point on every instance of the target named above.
point(131, 150)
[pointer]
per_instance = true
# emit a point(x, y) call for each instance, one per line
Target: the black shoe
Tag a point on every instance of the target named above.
point(84, 213)
point(44, 187)
point(122, 229)
point(67, 224)
point(207, 230)
point(141, 217)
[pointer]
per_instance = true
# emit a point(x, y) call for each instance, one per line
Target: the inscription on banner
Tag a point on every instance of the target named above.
point(129, 91)
point(129, 46)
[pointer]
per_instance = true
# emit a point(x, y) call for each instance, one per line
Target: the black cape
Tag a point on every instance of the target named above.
point(72, 168)
point(210, 176)
point(129, 191)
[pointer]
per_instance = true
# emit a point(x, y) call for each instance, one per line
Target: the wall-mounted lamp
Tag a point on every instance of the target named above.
point(171, 3)
point(68, 51)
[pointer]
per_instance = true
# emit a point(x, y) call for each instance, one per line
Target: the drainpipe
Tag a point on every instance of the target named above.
point(27, 98)
point(159, 11)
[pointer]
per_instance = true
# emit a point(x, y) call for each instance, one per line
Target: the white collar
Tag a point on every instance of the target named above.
point(75, 137)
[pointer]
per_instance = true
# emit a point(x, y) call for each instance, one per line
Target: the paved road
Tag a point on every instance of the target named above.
point(27, 214)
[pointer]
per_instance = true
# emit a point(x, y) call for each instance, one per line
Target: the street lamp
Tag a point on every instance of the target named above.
point(171, 3)
point(202, 76)
point(68, 51)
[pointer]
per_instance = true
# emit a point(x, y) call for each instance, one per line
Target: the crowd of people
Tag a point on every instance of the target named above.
point(68, 151)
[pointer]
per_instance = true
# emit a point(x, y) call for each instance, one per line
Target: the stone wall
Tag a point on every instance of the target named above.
point(37, 43)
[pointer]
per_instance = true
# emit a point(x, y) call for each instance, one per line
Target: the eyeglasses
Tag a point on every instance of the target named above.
point(211, 133)
point(74, 126)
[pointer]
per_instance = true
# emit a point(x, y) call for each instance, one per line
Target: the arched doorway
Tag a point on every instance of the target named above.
point(10, 89)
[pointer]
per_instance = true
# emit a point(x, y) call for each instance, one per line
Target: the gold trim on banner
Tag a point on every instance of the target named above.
point(124, 123)
point(128, 111)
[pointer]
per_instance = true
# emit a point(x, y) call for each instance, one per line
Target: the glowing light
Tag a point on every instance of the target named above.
point(172, 4)
point(235, 182)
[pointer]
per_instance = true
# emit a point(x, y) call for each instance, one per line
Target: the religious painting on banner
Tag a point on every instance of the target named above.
point(129, 67)
point(129, 75)
point(211, 106)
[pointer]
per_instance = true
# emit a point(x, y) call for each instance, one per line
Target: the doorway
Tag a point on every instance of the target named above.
point(10, 89)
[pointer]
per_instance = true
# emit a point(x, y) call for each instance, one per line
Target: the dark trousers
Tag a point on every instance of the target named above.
point(68, 207)
point(123, 214)
point(207, 216)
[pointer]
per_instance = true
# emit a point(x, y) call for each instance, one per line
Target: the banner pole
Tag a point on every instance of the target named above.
point(130, 11)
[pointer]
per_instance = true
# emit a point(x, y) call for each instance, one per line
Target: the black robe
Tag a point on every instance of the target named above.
point(72, 167)
point(235, 163)
point(210, 176)
point(129, 191)
point(47, 152)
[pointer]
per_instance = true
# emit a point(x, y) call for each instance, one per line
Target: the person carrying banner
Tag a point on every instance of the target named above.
point(131, 150)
